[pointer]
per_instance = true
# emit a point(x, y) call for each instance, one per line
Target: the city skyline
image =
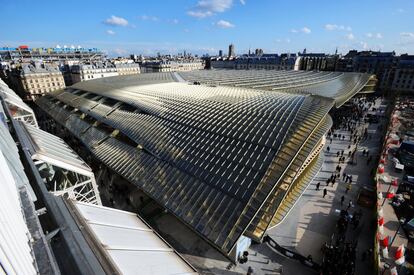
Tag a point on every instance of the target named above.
point(207, 26)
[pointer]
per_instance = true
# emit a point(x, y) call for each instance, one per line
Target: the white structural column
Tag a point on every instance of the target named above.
point(15, 251)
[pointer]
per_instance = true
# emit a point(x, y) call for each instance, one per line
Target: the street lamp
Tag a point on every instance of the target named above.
point(401, 222)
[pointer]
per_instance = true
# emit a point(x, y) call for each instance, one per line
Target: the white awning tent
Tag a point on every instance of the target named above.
point(63, 171)
point(130, 244)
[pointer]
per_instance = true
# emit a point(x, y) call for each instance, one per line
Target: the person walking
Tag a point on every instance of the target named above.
point(328, 149)
point(350, 204)
point(317, 186)
point(325, 192)
point(342, 200)
point(348, 187)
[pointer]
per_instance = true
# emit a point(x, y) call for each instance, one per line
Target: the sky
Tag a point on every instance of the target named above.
point(147, 27)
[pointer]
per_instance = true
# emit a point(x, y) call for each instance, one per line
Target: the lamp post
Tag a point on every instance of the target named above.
point(401, 222)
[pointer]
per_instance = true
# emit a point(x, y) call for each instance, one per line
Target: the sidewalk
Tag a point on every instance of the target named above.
point(391, 222)
point(313, 219)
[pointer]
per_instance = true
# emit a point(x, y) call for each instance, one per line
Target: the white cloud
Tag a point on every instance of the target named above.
point(206, 8)
point(364, 45)
point(287, 40)
point(120, 51)
point(350, 36)
point(224, 24)
point(116, 21)
point(174, 21)
point(305, 30)
point(110, 32)
point(243, 2)
point(400, 10)
point(377, 35)
point(334, 27)
point(199, 14)
point(149, 18)
point(407, 34)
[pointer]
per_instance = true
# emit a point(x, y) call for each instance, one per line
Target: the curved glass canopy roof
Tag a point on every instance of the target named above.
point(221, 158)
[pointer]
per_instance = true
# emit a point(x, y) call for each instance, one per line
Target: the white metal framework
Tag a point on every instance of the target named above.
point(130, 244)
point(63, 171)
point(17, 108)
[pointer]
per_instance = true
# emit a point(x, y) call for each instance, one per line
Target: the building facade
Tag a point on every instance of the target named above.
point(265, 62)
point(25, 53)
point(84, 72)
point(38, 79)
point(174, 66)
point(404, 74)
point(127, 68)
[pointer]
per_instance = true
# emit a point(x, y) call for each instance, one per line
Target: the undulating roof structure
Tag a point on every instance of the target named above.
point(337, 85)
point(222, 157)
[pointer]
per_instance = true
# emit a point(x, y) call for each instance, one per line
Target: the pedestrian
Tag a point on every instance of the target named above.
point(337, 154)
point(349, 205)
point(348, 187)
point(325, 192)
point(333, 182)
point(342, 200)
point(328, 149)
point(317, 186)
point(342, 153)
point(349, 154)
point(328, 181)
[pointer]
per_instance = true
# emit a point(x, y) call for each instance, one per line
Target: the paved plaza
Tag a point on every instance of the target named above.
point(313, 219)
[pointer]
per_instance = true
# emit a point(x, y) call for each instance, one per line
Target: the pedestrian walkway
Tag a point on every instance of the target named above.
point(392, 225)
point(313, 220)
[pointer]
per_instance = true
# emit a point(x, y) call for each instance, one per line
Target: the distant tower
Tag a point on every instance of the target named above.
point(221, 53)
point(304, 51)
point(231, 51)
point(259, 52)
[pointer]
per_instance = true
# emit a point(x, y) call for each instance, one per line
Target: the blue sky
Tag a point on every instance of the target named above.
point(205, 26)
